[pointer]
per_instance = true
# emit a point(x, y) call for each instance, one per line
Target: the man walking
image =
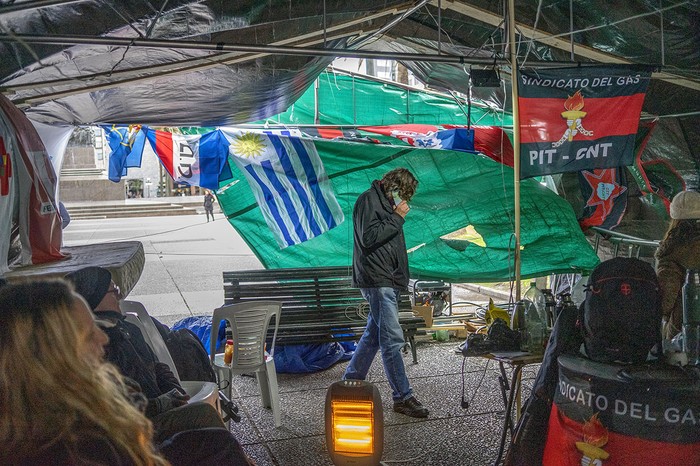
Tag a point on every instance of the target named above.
point(380, 270)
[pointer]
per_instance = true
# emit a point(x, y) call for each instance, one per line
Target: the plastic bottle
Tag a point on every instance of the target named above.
point(517, 322)
point(534, 330)
point(517, 318)
point(536, 297)
point(549, 304)
point(228, 352)
point(691, 316)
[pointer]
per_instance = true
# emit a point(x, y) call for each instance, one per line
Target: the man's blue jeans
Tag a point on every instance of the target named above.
point(383, 332)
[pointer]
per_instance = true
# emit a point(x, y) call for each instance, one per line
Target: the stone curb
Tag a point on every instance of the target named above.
point(490, 292)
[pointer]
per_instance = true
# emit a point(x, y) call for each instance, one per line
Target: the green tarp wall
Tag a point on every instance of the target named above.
point(456, 189)
point(350, 100)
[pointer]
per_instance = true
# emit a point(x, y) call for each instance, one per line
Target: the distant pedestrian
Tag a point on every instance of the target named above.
point(209, 205)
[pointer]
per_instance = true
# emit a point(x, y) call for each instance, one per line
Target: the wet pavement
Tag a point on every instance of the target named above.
point(185, 257)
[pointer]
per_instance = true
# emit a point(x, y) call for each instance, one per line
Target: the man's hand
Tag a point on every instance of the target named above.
point(172, 399)
point(402, 209)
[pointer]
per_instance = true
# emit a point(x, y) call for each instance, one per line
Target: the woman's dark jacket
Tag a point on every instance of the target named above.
point(379, 251)
point(673, 259)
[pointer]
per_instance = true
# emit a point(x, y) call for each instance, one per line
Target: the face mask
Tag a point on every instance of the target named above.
point(397, 199)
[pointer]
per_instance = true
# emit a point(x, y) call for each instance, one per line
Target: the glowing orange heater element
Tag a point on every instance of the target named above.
point(353, 426)
point(354, 423)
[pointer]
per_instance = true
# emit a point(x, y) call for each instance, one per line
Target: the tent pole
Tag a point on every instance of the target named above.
point(317, 120)
point(516, 141)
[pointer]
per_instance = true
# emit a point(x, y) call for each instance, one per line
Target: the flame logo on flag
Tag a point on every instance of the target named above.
point(595, 436)
point(573, 116)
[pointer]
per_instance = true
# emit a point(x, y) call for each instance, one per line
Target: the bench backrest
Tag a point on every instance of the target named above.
point(304, 290)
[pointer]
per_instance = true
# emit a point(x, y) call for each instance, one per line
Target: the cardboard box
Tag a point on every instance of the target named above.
point(426, 312)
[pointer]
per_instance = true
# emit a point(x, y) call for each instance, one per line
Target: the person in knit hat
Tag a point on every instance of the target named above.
point(678, 252)
point(167, 405)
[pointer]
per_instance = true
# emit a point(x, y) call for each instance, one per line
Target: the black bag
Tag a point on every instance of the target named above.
point(190, 357)
point(620, 318)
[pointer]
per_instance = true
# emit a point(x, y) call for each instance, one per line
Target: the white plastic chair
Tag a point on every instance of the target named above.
point(249, 322)
point(136, 314)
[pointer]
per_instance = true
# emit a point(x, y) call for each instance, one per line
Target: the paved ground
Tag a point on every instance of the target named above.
point(185, 256)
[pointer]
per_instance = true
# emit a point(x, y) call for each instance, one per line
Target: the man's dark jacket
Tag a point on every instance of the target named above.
point(127, 349)
point(379, 252)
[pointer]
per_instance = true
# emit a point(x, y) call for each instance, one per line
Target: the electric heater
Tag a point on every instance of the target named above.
point(354, 423)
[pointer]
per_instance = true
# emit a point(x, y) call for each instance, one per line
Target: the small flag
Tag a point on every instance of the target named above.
point(126, 145)
point(289, 182)
point(657, 179)
point(488, 140)
point(195, 160)
point(428, 136)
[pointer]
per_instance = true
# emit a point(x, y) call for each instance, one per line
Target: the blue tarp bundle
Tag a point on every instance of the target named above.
point(295, 359)
point(201, 326)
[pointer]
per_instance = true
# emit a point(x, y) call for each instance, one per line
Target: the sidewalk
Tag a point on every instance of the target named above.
point(184, 259)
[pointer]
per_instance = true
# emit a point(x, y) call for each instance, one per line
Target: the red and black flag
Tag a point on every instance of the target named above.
point(574, 119)
point(605, 193)
point(606, 417)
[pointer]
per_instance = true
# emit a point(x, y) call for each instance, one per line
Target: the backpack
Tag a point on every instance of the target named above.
point(190, 357)
point(620, 318)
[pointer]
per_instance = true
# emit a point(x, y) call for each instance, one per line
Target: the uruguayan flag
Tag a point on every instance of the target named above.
point(289, 183)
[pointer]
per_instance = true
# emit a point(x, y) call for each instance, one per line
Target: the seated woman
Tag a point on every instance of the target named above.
point(677, 252)
point(59, 403)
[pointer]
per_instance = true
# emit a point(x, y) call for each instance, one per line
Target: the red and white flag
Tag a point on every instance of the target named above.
point(195, 160)
point(27, 179)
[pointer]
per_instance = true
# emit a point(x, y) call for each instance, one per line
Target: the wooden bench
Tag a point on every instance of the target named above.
point(318, 304)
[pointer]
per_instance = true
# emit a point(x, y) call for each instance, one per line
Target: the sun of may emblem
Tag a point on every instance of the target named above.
point(249, 145)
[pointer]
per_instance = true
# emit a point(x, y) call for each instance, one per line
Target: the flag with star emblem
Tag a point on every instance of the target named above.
point(605, 193)
point(289, 183)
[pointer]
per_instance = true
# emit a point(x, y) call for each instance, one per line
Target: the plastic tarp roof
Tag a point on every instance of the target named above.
point(172, 85)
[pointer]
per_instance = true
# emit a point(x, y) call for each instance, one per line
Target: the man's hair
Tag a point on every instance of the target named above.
point(70, 395)
point(402, 180)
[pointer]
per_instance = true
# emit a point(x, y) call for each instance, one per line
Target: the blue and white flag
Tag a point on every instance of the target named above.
point(289, 182)
point(126, 144)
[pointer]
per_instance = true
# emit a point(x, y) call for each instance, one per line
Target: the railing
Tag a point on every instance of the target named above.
point(635, 244)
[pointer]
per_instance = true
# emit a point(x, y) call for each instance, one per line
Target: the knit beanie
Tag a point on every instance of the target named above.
point(686, 205)
point(91, 283)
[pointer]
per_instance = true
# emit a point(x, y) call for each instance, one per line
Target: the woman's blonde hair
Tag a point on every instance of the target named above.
point(50, 394)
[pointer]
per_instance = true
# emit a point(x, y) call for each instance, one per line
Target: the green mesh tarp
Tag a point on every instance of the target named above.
point(350, 100)
point(456, 190)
